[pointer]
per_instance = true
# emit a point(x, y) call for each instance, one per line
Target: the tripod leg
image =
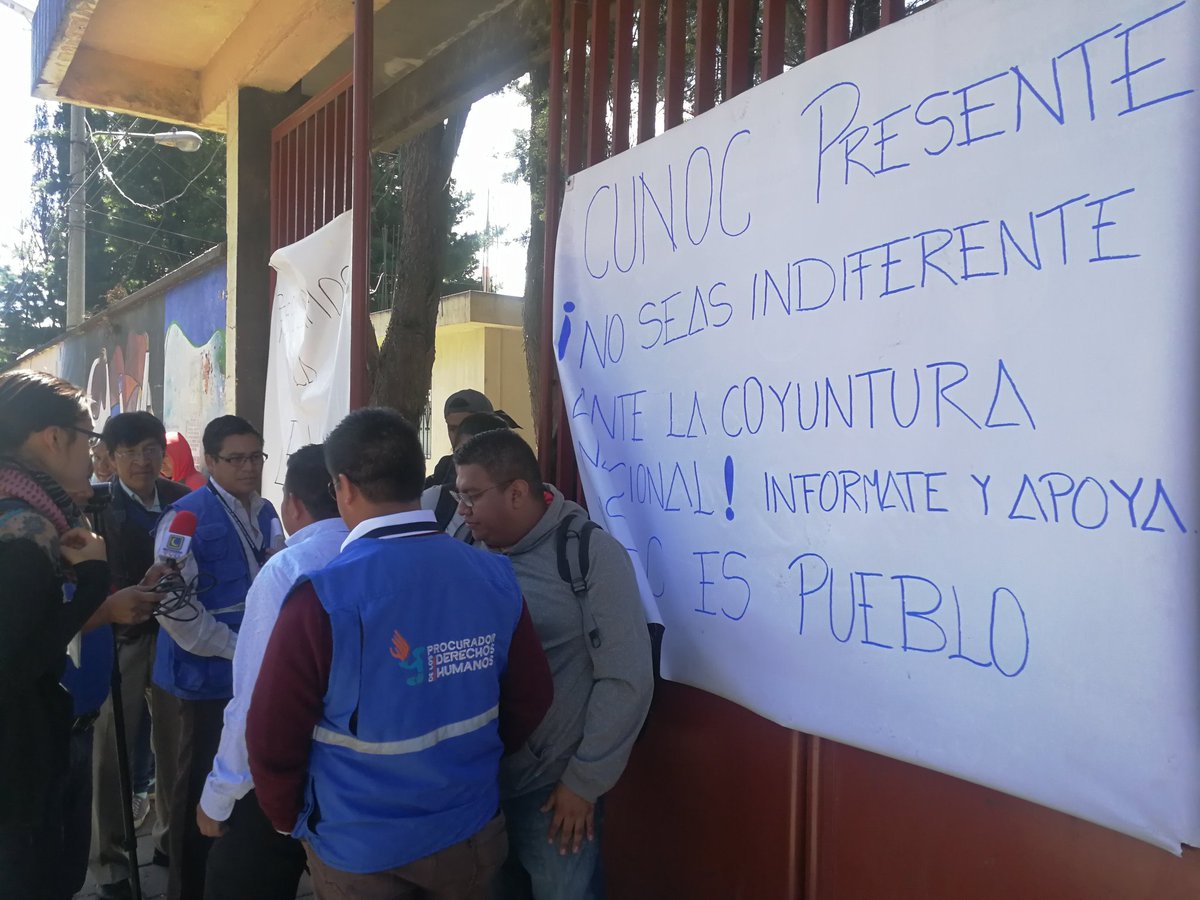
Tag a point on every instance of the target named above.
point(135, 881)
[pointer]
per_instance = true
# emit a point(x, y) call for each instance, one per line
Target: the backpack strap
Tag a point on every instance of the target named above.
point(446, 507)
point(573, 545)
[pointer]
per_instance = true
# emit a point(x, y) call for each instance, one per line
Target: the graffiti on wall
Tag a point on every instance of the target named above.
point(194, 360)
point(164, 354)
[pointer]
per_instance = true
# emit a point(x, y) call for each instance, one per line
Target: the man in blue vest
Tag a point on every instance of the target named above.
point(383, 757)
point(235, 532)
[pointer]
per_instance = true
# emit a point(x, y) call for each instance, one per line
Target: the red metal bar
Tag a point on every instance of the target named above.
point(292, 188)
point(554, 124)
point(597, 145)
point(360, 247)
point(739, 48)
point(890, 11)
point(837, 31)
point(774, 27)
point(273, 199)
point(676, 23)
point(647, 69)
point(622, 76)
point(815, 26)
point(575, 80)
point(812, 834)
point(342, 166)
point(706, 55)
point(323, 163)
point(314, 169)
point(303, 134)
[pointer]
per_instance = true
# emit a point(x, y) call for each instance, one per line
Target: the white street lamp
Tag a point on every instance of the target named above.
point(186, 141)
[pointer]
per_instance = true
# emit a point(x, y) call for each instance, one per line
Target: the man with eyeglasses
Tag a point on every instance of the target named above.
point(236, 531)
point(135, 443)
point(598, 648)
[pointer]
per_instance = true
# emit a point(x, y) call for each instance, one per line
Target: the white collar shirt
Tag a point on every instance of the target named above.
point(415, 517)
point(309, 549)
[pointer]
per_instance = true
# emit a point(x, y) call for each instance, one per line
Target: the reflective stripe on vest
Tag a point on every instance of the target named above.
point(409, 745)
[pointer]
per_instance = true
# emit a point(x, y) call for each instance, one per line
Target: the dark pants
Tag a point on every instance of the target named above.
point(110, 861)
point(49, 861)
point(253, 861)
point(199, 735)
point(462, 871)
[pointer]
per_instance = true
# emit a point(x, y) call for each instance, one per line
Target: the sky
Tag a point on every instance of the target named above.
point(16, 113)
point(480, 168)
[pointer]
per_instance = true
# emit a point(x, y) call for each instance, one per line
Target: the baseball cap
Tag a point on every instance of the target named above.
point(467, 401)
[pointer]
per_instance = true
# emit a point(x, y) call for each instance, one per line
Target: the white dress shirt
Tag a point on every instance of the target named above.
point(422, 516)
point(153, 506)
point(202, 634)
point(309, 549)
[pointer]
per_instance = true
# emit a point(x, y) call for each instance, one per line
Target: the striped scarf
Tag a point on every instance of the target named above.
point(41, 493)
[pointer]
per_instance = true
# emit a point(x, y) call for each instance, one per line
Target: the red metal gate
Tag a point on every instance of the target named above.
point(310, 165)
point(718, 802)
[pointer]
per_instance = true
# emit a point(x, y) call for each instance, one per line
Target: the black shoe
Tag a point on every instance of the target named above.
point(161, 859)
point(119, 890)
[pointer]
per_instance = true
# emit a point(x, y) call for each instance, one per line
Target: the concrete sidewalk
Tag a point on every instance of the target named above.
point(154, 878)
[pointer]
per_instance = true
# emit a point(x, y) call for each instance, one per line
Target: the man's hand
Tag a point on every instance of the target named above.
point(129, 606)
point(573, 818)
point(157, 572)
point(209, 827)
point(80, 545)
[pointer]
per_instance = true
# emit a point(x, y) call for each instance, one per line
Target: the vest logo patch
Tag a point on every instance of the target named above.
point(408, 658)
point(445, 658)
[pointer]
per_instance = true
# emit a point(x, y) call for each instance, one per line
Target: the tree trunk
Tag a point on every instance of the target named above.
point(535, 252)
point(404, 368)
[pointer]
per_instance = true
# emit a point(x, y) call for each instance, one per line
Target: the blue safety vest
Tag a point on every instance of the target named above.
point(224, 580)
point(406, 756)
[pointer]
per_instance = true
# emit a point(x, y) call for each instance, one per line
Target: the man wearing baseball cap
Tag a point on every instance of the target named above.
point(458, 407)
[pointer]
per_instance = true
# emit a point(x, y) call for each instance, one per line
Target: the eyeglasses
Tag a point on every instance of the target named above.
point(469, 500)
point(149, 454)
point(93, 438)
point(238, 460)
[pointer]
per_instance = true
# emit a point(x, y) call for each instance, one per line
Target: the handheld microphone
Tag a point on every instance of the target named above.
point(179, 538)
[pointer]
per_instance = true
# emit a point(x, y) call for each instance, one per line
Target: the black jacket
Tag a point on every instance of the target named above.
point(35, 710)
point(130, 548)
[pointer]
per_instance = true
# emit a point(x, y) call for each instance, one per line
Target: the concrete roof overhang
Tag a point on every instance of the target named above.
point(180, 60)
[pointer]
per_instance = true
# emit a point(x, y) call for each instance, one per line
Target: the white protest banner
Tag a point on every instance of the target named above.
point(885, 373)
point(308, 369)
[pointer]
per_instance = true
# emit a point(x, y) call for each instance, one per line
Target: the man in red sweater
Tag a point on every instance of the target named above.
point(383, 757)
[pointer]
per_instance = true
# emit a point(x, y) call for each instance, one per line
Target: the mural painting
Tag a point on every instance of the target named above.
point(162, 350)
point(194, 356)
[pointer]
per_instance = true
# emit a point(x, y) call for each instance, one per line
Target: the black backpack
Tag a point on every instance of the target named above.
point(572, 541)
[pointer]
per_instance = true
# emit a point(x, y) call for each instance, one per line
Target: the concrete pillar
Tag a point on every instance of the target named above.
point(252, 115)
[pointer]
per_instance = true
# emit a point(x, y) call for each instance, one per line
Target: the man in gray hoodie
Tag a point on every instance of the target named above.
point(551, 789)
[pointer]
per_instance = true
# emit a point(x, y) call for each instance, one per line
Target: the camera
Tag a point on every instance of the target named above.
point(101, 496)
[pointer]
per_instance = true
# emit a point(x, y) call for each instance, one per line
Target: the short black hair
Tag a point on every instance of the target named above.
point(223, 427)
point(380, 452)
point(308, 481)
point(478, 423)
point(131, 428)
point(504, 455)
point(33, 401)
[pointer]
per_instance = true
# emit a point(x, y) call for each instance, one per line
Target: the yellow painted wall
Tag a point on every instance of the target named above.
point(488, 358)
point(479, 345)
point(459, 362)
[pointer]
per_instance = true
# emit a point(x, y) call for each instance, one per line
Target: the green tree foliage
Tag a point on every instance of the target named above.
point(149, 209)
point(460, 264)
